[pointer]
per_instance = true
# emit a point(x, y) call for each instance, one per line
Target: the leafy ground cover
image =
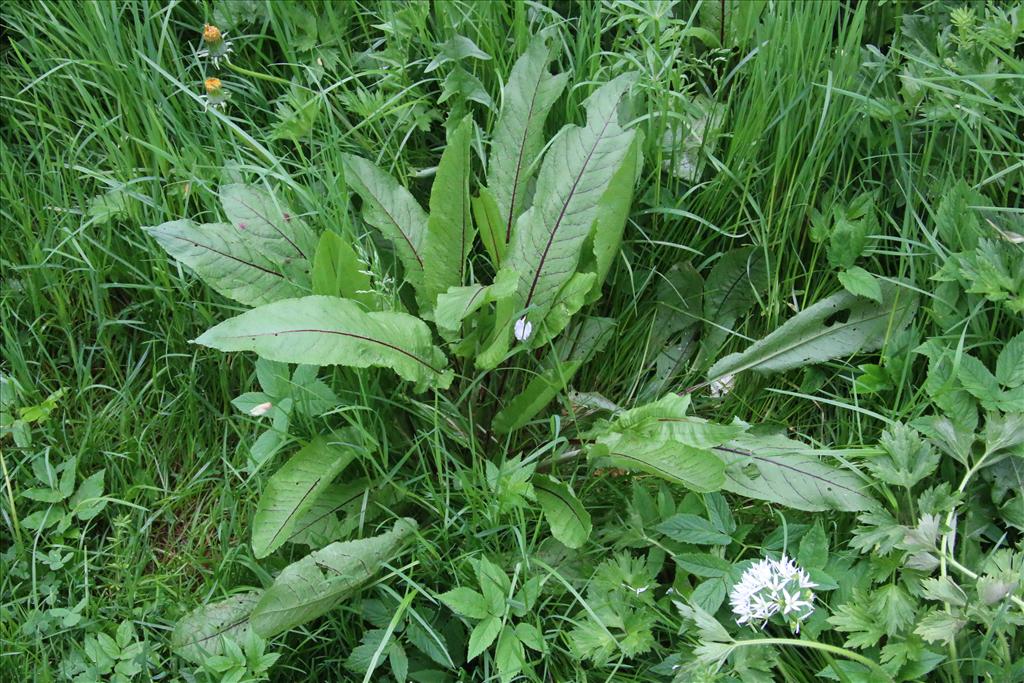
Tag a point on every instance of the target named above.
point(463, 341)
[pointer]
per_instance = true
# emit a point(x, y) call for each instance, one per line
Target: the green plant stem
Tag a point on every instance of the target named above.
point(814, 645)
point(255, 74)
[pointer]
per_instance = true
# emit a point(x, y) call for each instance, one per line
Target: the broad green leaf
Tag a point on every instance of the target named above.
point(324, 330)
point(314, 585)
point(667, 418)
point(769, 466)
point(613, 211)
point(706, 566)
point(840, 325)
point(231, 264)
point(694, 468)
point(357, 502)
point(518, 135)
point(293, 490)
point(569, 520)
point(1010, 364)
point(860, 282)
point(483, 635)
point(87, 501)
point(458, 303)
point(390, 208)
point(338, 271)
point(254, 211)
point(200, 634)
point(687, 528)
point(492, 230)
point(450, 231)
point(729, 293)
point(556, 373)
point(978, 380)
point(508, 655)
point(494, 584)
point(465, 602)
point(569, 300)
point(575, 174)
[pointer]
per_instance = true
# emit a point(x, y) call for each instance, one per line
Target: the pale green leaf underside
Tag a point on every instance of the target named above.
point(569, 520)
point(695, 468)
point(576, 171)
point(226, 260)
point(807, 338)
point(391, 209)
point(201, 632)
point(314, 585)
point(667, 418)
point(324, 330)
point(293, 490)
point(254, 211)
point(774, 468)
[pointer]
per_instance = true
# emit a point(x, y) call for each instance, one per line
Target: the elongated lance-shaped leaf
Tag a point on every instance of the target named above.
point(695, 468)
point(326, 330)
point(201, 633)
point(227, 261)
point(314, 585)
point(574, 175)
point(338, 271)
point(488, 223)
point(667, 419)
point(450, 230)
point(612, 214)
point(256, 212)
point(729, 292)
point(840, 325)
point(294, 489)
point(569, 520)
point(390, 208)
point(518, 135)
point(769, 466)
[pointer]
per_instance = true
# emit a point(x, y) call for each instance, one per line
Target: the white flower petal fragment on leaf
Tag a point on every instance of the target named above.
point(261, 409)
point(773, 587)
point(721, 386)
point(523, 329)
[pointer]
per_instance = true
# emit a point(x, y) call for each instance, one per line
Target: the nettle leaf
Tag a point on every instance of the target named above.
point(231, 264)
point(695, 468)
point(687, 528)
point(569, 520)
point(729, 293)
point(860, 282)
point(771, 467)
point(518, 136)
point(450, 231)
point(201, 633)
point(557, 371)
point(314, 585)
point(338, 271)
point(576, 171)
point(324, 330)
point(256, 212)
point(840, 325)
point(294, 489)
point(1010, 364)
point(393, 210)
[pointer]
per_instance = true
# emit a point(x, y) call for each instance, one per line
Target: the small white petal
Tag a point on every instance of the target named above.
point(523, 329)
point(261, 409)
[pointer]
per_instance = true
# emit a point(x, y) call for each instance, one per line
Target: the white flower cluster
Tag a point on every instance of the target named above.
point(773, 587)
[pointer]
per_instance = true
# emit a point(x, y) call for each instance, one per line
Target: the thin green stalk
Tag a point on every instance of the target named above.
point(814, 645)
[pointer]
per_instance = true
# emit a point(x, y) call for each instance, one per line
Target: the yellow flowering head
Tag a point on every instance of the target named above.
point(211, 34)
point(213, 86)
